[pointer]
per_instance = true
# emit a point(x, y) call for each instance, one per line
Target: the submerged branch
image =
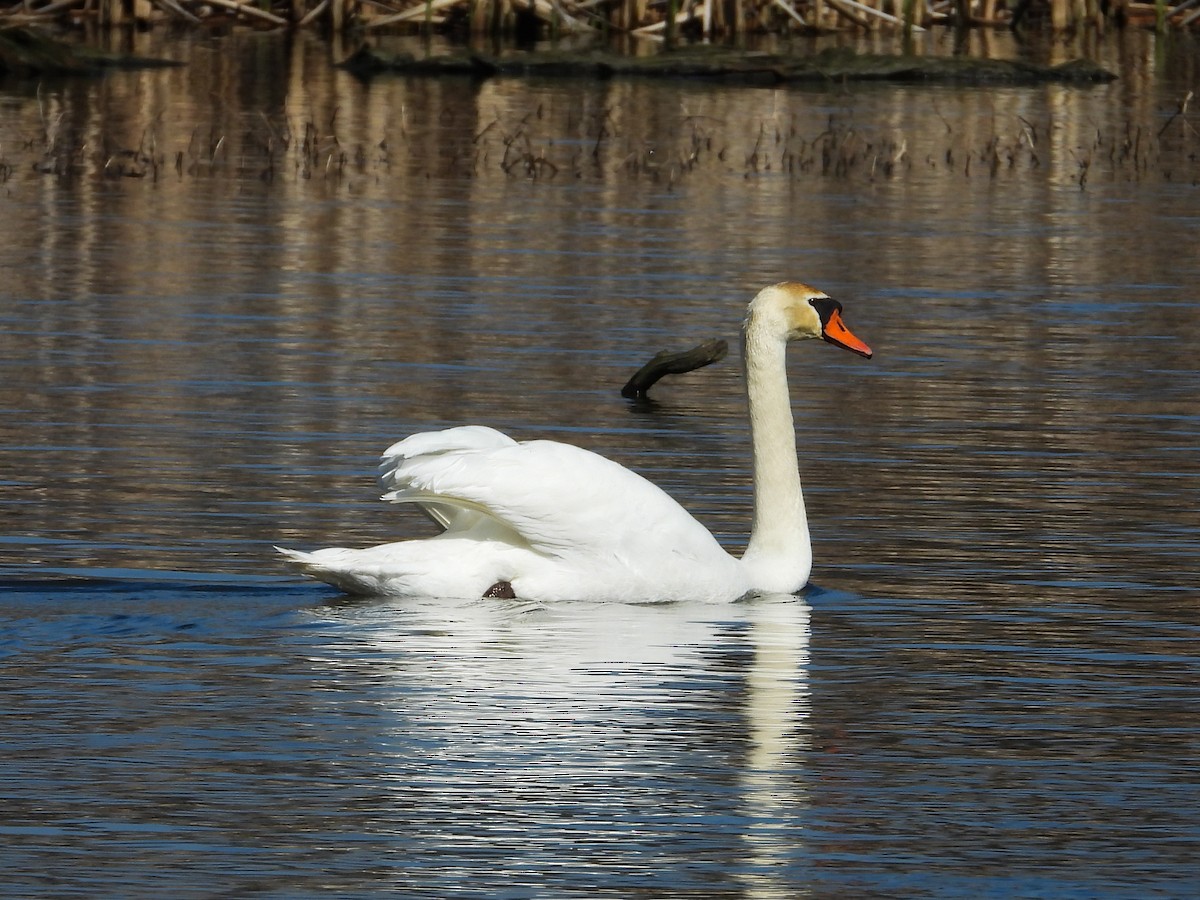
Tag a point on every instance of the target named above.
point(667, 362)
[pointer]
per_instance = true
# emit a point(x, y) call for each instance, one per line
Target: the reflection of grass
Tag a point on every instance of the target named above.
point(524, 147)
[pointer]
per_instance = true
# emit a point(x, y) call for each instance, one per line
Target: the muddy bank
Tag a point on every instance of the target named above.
point(734, 66)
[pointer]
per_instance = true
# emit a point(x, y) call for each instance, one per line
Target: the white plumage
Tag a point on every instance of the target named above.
point(549, 521)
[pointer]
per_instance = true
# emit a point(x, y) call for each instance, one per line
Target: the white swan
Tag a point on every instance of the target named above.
point(544, 521)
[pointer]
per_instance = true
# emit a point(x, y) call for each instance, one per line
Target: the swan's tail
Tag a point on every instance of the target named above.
point(332, 567)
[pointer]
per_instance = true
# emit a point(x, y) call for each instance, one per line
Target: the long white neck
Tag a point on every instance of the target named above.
point(779, 555)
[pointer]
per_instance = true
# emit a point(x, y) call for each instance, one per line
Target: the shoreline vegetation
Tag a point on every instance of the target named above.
point(661, 21)
point(31, 51)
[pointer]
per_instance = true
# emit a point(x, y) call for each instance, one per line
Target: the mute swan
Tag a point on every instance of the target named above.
point(541, 520)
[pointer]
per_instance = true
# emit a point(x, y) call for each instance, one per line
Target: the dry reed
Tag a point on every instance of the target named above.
point(655, 20)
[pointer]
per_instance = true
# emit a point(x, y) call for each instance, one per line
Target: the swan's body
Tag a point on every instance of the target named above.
point(541, 520)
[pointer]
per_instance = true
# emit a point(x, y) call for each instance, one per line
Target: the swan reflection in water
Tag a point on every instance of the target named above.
point(599, 739)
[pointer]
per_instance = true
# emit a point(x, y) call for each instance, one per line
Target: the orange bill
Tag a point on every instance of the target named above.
point(837, 333)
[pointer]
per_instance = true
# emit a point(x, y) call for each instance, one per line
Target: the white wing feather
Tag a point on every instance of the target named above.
point(433, 445)
point(559, 499)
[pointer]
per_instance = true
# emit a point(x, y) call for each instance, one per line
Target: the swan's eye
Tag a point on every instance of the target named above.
point(825, 307)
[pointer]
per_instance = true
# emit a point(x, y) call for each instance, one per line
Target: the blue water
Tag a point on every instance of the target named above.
point(165, 736)
point(992, 687)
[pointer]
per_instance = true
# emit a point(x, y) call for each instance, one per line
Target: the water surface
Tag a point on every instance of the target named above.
point(992, 687)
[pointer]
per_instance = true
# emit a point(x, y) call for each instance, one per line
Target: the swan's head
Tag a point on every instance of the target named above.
point(792, 311)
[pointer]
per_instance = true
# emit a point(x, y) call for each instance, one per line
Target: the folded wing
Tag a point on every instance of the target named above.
point(556, 499)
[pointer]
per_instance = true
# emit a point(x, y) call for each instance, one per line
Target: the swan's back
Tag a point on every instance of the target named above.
point(540, 519)
point(555, 498)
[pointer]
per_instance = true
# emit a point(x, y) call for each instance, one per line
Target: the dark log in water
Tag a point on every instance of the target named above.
point(735, 66)
point(26, 50)
point(667, 362)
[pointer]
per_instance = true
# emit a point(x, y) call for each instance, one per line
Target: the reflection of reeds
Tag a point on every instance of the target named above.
point(524, 147)
point(660, 20)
